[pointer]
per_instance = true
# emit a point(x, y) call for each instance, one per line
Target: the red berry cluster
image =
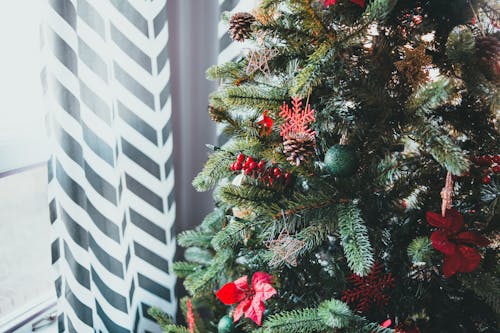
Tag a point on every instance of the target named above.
point(490, 164)
point(261, 170)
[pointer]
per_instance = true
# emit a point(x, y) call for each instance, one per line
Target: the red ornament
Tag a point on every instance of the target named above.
point(328, 3)
point(486, 179)
point(265, 124)
point(496, 169)
point(454, 243)
point(369, 290)
point(190, 316)
point(250, 299)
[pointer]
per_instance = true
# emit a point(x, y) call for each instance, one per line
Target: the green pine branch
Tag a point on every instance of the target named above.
point(194, 238)
point(430, 96)
point(427, 130)
point(354, 239)
point(378, 10)
point(207, 279)
point(230, 236)
point(486, 286)
point(215, 169)
point(295, 321)
point(227, 71)
point(198, 255)
point(256, 198)
point(420, 249)
point(329, 315)
point(183, 268)
point(254, 97)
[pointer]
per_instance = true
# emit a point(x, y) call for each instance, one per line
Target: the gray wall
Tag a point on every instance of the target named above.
point(193, 48)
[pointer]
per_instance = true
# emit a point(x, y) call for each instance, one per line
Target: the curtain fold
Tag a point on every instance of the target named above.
point(111, 179)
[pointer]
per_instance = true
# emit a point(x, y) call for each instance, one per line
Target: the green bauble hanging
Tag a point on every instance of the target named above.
point(226, 325)
point(341, 160)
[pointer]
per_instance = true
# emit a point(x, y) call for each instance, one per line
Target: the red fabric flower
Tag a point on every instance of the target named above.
point(251, 300)
point(360, 3)
point(266, 124)
point(454, 243)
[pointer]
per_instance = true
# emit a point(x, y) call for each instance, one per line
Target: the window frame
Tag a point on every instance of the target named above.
point(22, 320)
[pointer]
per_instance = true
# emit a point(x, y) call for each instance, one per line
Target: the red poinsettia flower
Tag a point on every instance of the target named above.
point(250, 299)
point(266, 124)
point(454, 243)
point(360, 3)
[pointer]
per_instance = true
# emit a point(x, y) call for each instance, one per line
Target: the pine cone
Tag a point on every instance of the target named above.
point(240, 26)
point(215, 114)
point(299, 147)
point(488, 54)
point(422, 272)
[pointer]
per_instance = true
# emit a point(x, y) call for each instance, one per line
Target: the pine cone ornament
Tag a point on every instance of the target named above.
point(422, 272)
point(240, 26)
point(299, 147)
point(215, 114)
point(488, 54)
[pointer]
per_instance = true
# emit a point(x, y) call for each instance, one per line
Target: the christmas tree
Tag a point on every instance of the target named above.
point(359, 190)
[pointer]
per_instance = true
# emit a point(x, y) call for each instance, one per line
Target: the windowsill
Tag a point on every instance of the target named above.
point(22, 321)
point(23, 152)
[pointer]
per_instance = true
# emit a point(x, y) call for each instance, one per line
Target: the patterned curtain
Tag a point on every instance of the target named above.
point(111, 178)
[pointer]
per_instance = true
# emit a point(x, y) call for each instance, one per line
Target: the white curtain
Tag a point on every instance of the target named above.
point(111, 180)
point(122, 85)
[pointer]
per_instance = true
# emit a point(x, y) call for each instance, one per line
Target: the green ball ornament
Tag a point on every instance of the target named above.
point(226, 325)
point(341, 160)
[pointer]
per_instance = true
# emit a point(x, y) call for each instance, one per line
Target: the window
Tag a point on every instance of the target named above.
point(26, 286)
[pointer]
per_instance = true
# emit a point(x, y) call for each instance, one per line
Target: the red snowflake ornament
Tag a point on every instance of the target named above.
point(250, 299)
point(454, 243)
point(369, 290)
point(297, 120)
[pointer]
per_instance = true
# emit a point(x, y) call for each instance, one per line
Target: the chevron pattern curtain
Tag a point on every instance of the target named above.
point(111, 178)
